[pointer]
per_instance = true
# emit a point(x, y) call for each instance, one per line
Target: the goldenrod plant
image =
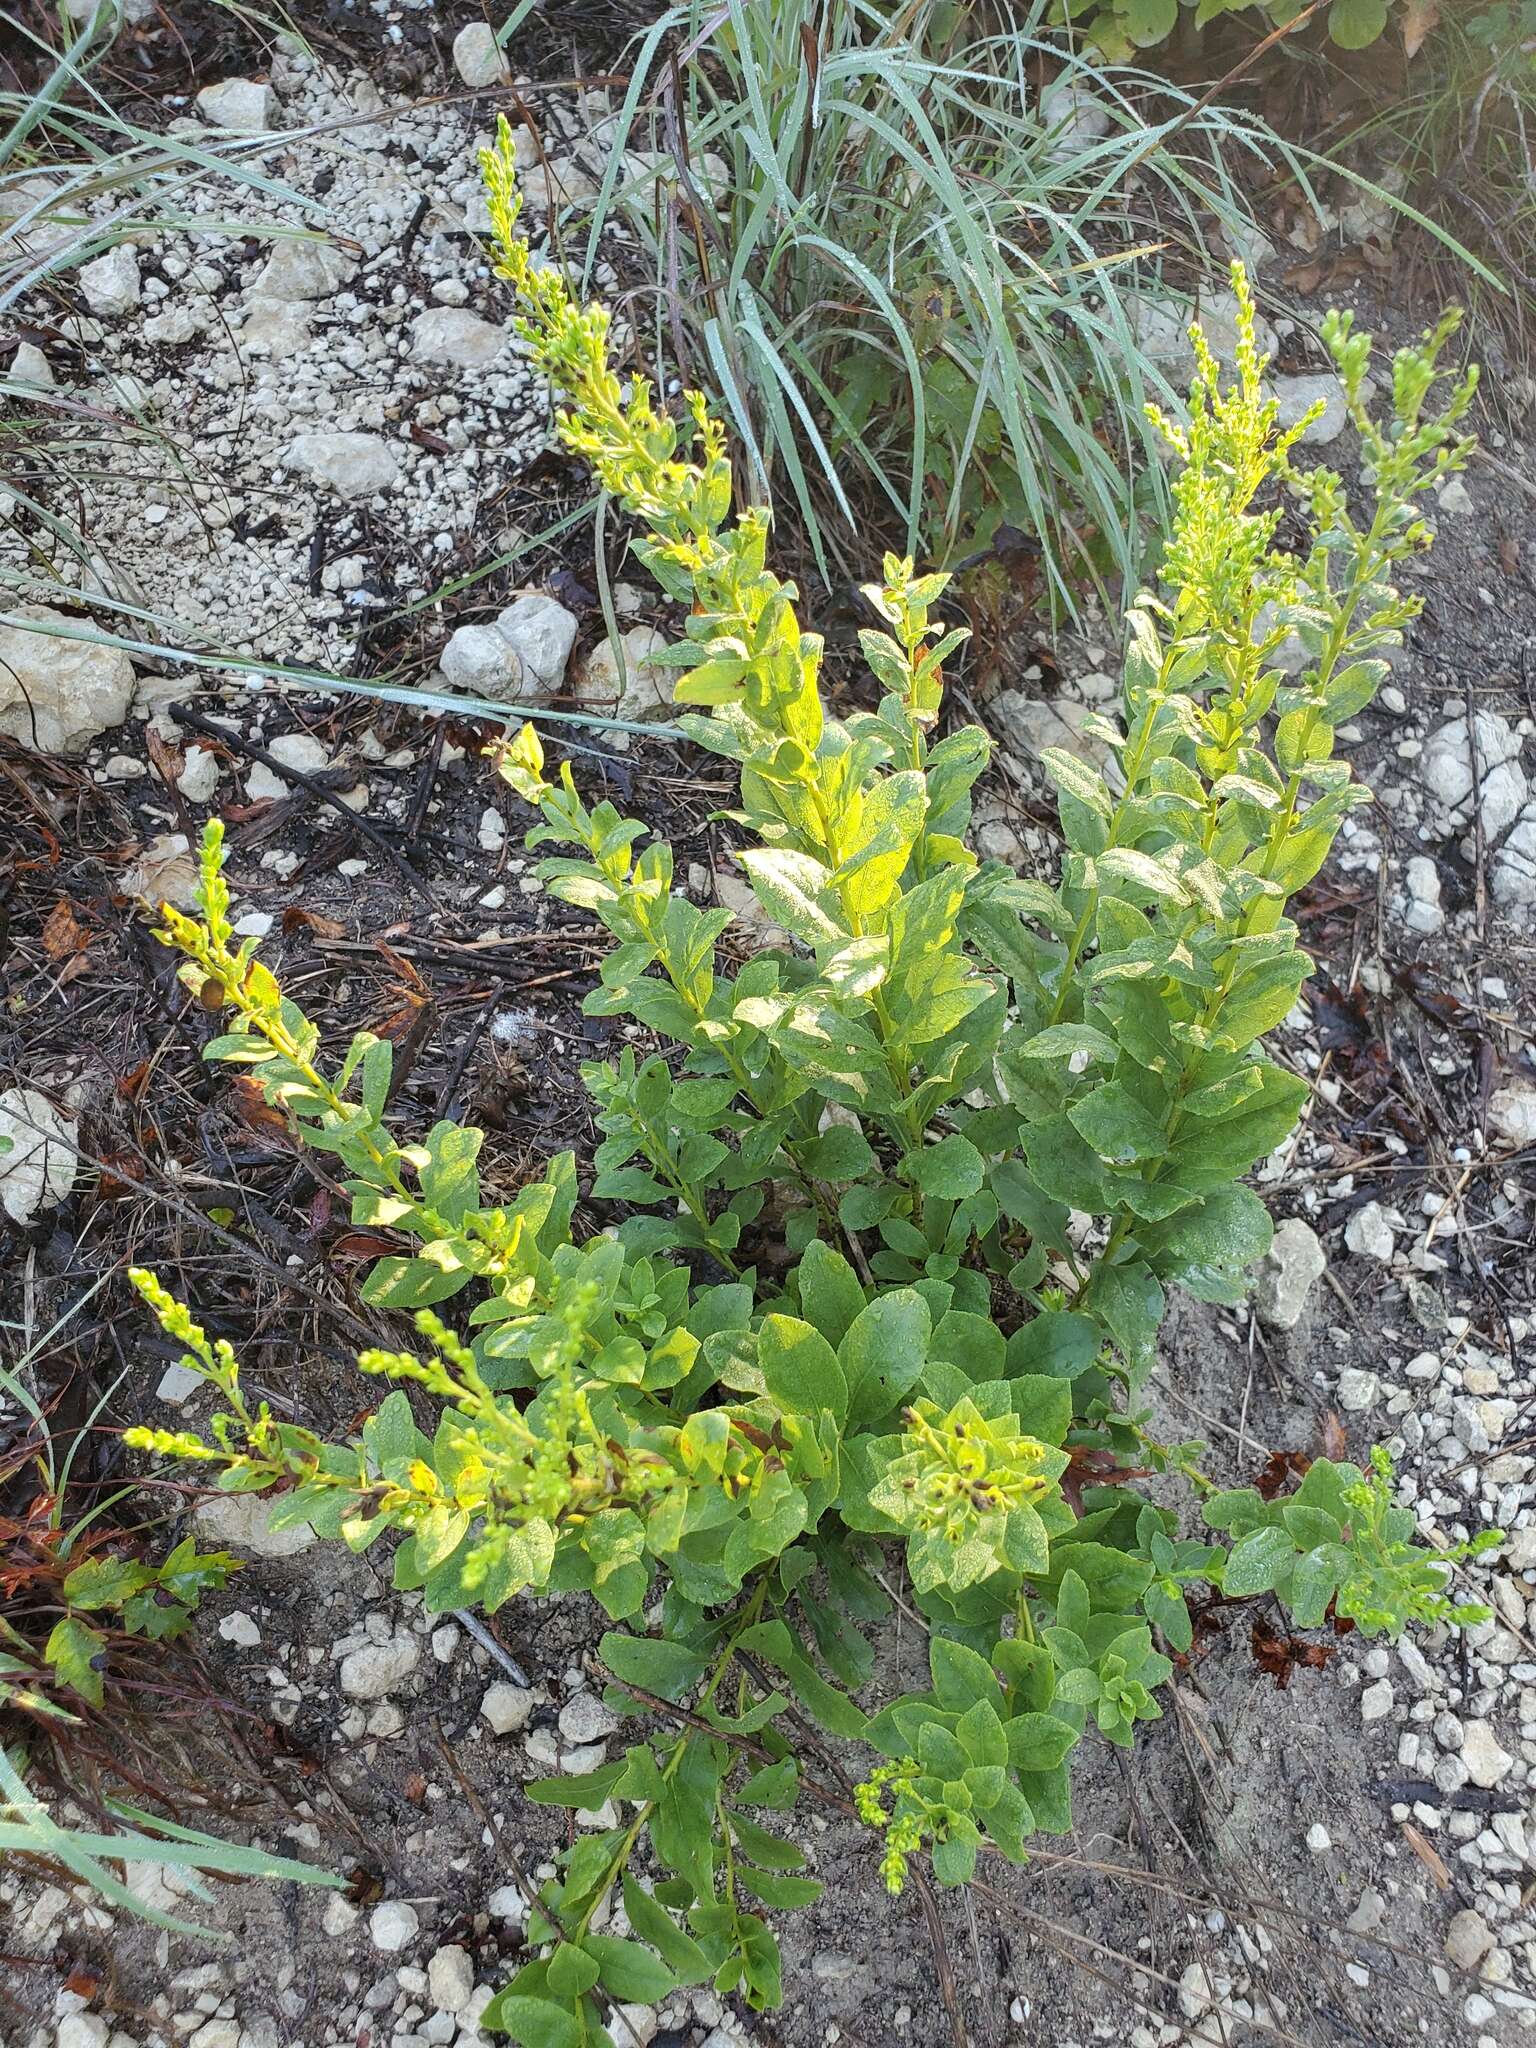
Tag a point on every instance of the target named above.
point(938, 1064)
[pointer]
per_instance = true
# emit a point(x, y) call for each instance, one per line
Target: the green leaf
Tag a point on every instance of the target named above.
point(961, 1675)
point(800, 1368)
point(1066, 1167)
point(1065, 1041)
point(1116, 1126)
point(572, 1970)
point(790, 887)
point(775, 1786)
point(390, 1433)
point(974, 1343)
point(1129, 1301)
point(772, 1641)
point(1059, 1344)
point(533, 2022)
point(1208, 1247)
point(1313, 1583)
point(70, 1650)
point(979, 1731)
point(840, 1153)
point(1140, 871)
point(831, 1297)
point(450, 1184)
point(411, 1283)
point(883, 1355)
point(948, 1171)
point(654, 1924)
point(586, 1791)
point(1043, 1406)
point(1167, 1609)
point(670, 1670)
point(1072, 777)
point(628, 1972)
point(1355, 24)
point(771, 1850)
point(105, 1582)
point(954, 1861)
point(1038, 1742)
point(1257, 1562)
point(777, 1889)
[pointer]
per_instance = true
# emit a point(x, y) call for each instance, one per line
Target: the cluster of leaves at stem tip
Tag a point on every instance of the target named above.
point(826, 1294)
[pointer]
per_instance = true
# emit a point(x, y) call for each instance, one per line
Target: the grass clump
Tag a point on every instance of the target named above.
point(903, 265)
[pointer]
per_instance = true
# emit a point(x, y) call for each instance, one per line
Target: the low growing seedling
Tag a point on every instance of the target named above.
point(82, 1609)
point(939, 1066)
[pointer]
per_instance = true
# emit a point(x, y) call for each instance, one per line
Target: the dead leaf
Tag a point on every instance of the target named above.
point(131, 1086)
point(1335, 1442)
point(1304, 278)
point(296, 919)
point(122, 1174)
point(63, 934)
point(1428, 1855)
point(1096, 1468)
point(255, 1111)
point(1283, 1467)
point(363, 1244)
point(364, 1887)
point(1282, 1656)
point(1419, 17)
point(169, 759)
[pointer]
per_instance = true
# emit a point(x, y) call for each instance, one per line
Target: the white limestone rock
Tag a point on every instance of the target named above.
point(1028, 725)
point(38, 1169)
point(1512, 1113)
point(354, 466)
point(301, 268)
point(243, 105)
point(1073, 116)
point(1291, 1268)
point(393, 1926)
point(300, 750)
point(1422, 911)
point(451, 334)
point(1447, 772)
point(56, 694)
point(1161, 326)
point(1369, 1234)
point(110, 282)
point(1514, 868)
point(377, 1669)
point(1297, 395)
point(506, 1709)
point(243, 1521)
point(521, 658)
point(645, 691)
point(476, 55)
